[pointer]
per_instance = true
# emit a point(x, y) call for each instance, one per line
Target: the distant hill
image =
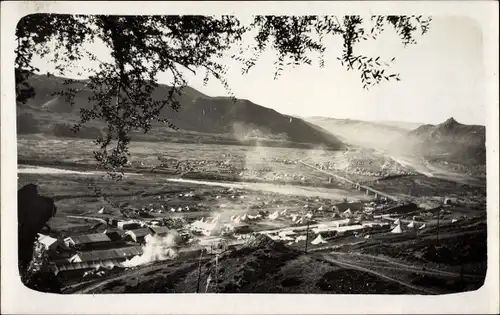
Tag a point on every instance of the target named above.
point(200, 117)
point(358, 132)
point(399, 124)
point(450, 141)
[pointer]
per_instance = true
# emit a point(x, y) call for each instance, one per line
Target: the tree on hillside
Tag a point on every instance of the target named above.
point(144, 46)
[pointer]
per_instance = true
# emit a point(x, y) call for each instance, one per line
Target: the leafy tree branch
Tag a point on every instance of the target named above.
point(143, 47)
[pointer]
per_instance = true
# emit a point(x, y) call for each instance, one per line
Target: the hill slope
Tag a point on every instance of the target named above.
point(450, 141)
point(362, 133)
point(199, 114)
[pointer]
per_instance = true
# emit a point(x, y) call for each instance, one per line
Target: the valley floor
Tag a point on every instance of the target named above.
point(234, 181)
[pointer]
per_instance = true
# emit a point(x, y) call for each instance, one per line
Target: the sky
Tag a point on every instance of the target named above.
point(442, 76)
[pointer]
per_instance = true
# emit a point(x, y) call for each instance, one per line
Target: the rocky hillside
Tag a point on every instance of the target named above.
point(199, 114)
point(450, 141)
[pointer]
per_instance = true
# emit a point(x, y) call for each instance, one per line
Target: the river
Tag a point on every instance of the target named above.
point(306, 191)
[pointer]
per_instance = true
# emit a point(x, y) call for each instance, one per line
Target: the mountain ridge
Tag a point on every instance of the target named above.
point(238, 121)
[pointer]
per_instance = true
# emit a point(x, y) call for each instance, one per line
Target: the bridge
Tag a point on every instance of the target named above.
point(353, 183)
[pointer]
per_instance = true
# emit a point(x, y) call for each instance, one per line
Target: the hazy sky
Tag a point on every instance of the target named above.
point(441, 76)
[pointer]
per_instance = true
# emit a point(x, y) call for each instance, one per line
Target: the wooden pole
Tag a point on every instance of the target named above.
point(437, 230)
point(307, 235)
point(199, 273)
point(216, 272)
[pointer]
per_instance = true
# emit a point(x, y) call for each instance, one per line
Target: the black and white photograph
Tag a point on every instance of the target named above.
point(317, 154)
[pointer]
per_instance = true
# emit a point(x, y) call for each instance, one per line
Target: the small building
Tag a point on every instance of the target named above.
point(92, 260)
point(449, 201)
point(50, 243)
point(114, 234)
point(128, 225)
point(97, 256)
point(159, 230)
point(137, 235)
point(86, 241)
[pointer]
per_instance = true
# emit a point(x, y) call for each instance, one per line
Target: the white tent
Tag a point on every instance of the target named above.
point(367, 236)
point(318, 240)
point(101, 211)
point(243, 218)
point(294, 217)
point(422, 227)
point(397, 222)
point(274, 216)
point(237, 220)
point(347, 213)
point(454, 220)
point(254, 217)
point(308, 215)
point(397, 229)
point(411, 225)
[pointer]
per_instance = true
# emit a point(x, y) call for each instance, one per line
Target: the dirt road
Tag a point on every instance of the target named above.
point(392, 264)
point(363, 268)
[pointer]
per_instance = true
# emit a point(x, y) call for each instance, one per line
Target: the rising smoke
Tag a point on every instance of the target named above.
point(157, 248)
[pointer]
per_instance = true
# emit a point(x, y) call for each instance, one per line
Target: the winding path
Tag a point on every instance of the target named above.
point(350, 265)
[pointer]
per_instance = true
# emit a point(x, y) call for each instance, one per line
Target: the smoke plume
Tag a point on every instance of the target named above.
point(157, 248)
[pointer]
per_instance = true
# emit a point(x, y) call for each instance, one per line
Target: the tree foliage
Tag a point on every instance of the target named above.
point(142, 47)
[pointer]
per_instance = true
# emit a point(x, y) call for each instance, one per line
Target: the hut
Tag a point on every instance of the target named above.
point(128, 225)
point(87, 241)
point(114, 234)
